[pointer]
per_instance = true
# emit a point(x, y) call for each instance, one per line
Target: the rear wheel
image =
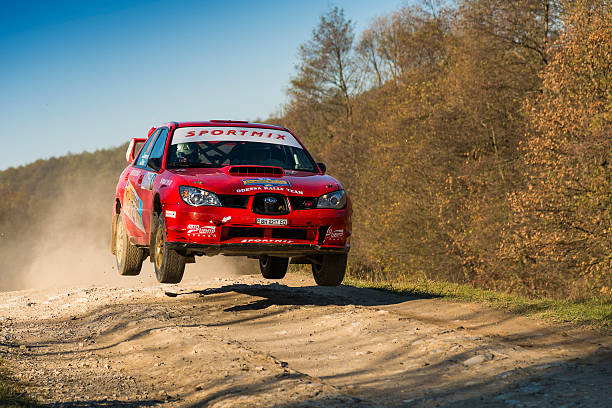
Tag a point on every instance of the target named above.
point(169, 264)
point(129, 257)
point(330, 269)
point(273, 267)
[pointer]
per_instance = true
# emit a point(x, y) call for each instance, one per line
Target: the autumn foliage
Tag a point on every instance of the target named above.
point(562, 218)
point(477, 145)
point(474, 138)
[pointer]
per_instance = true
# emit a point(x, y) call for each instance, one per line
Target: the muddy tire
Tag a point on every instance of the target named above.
point(169, 264)
point(129, 257)
point(273, 267)
point(331, 269)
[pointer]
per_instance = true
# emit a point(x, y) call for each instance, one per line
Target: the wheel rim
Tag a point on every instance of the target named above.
point(119, 244)
point(159, 246)
point(264, 261)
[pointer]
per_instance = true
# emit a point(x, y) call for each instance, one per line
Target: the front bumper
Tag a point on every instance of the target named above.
point(255, 249)
point(229, 231)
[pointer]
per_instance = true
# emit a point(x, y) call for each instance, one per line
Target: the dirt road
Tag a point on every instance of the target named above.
point(243, 341)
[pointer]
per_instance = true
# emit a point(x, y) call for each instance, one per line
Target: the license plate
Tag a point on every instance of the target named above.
point(271, 221)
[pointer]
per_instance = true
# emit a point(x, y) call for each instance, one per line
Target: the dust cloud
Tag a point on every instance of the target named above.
point(69, 246)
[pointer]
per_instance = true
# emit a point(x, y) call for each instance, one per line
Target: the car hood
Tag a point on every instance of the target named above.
point(292, 183)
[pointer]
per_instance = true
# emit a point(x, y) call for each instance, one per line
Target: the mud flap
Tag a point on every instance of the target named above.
point(113, 240)
point(152, 229)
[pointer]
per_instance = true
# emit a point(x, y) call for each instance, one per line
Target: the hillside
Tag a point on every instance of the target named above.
point(474, 141)
point(55, 211)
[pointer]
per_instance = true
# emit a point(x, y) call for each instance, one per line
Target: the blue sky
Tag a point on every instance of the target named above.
point(83, 75)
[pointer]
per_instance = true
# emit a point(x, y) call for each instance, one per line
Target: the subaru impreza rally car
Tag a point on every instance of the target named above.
point(230, 188)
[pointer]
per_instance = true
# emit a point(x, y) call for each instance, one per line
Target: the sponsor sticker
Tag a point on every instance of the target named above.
point(147, 180)
point(267, 241)
point(170, 214)
point(274, 188)
point(271, 221)
point(132, 205)
point(334, 234)
point(202, 230)
point(226, 219)
point(266, 182)
point(238, 134)
point(142, 161)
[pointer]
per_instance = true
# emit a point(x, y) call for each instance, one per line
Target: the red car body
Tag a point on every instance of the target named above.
point(244, 223)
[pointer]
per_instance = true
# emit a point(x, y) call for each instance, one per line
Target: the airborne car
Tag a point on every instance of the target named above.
point(230, 188)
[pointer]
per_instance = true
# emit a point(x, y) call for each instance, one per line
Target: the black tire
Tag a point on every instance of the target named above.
point(273, 267)
point(169, 264)
point(129, 257)
point(331, 269)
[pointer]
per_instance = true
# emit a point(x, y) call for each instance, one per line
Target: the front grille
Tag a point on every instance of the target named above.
point(289, 233)
point(258, 232)
point(233, 201)
point(244, 232)
point(270, 204)
point(303, 203)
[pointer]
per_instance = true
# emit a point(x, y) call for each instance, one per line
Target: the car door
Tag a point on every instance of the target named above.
point(133, 204)
point(144, 187)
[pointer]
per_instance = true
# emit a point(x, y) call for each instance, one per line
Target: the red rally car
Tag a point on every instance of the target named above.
point(230, 188)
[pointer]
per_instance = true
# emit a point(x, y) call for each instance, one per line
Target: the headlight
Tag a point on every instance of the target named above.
point(198, 197)
point(335, 199)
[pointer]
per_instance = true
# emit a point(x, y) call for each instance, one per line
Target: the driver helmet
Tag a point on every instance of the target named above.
point(185, 150)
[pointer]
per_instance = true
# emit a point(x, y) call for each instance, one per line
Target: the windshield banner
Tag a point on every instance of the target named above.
point(237, 134)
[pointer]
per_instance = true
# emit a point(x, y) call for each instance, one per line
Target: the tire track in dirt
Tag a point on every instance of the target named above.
point(247, 342)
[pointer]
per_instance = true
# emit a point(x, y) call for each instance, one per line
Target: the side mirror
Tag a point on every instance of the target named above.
point(131, 152)
point(155, 163)
point(322, 167)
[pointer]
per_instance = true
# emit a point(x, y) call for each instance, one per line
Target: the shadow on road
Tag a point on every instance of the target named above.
point(283, 295)
point(575, 383)
point(388, 375)
point(102, 404)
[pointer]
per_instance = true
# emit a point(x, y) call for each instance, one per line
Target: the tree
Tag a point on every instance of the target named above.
point(441, 136)
point(527, 26)
point(563, 220)
point(326, 69)
point(412, 38)
point(369, 51)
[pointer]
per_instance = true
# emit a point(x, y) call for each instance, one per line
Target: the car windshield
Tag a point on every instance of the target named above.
point(224, 153)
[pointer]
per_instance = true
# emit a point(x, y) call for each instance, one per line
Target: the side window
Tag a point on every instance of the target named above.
point(143, 157)
point(160, 145)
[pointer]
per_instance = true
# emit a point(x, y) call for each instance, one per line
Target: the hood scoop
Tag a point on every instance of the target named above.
point(256, 171)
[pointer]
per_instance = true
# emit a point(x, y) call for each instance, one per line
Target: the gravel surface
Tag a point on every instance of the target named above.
point(243, 341)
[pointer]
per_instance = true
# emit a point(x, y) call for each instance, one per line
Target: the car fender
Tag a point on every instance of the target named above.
point(162, 190)
point(113, 240)
point(117, 205)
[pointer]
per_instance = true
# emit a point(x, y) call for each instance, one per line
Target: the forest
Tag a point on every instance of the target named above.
point(474, 139)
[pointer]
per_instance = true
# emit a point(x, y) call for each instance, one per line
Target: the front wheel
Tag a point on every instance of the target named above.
point(273, 267)
point(169, 264)
point(129, 257)
point(330, 269)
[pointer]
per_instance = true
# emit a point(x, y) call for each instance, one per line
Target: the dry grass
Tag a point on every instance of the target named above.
point(592, 313)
